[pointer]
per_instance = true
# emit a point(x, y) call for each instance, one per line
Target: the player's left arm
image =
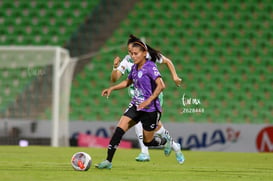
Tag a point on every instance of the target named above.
point(160, 86)
point(171, 67)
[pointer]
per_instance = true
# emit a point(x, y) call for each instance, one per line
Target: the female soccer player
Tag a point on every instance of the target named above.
point(124, 66)
point(144, 107)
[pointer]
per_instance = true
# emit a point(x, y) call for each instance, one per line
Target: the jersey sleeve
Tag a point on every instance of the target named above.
point(123, 66)
point(154, 73)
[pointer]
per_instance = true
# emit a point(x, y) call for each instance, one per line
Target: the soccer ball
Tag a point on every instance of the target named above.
point(81, 161)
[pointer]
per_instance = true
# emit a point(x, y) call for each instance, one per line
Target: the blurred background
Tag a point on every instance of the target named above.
point(222, 49)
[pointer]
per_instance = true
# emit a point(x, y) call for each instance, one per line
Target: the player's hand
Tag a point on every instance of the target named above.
point(116, 62)
point(143, 105)
point(177, 81)
point(106, 92)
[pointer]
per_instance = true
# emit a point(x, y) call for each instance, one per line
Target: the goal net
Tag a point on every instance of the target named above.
point(35, 85)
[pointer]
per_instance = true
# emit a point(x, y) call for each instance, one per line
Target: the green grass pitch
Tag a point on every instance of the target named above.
point(36, 163)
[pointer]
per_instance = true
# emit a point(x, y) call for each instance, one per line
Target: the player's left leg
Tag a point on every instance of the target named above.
point(149, 122)
point(162, 132)
point(144, 154)
point(150, 140)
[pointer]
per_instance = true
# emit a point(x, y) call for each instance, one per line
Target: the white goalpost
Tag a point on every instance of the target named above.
point(63, 72)
point(36, 83)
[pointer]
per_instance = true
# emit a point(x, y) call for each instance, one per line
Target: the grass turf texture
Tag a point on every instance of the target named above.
point(36, 163)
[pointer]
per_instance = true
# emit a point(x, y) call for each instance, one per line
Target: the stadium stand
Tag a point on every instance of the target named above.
point(222, 50)
point(217, 48)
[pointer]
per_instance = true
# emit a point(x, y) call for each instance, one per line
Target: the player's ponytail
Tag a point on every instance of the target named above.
point(155, 54)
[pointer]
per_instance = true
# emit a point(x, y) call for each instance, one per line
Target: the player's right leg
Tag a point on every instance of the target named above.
point(123, 126)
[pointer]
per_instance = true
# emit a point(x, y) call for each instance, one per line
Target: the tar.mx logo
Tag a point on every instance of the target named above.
point(191, 104)
point(190, 101)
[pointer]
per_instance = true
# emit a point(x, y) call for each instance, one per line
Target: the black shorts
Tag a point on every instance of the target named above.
point(149, 120)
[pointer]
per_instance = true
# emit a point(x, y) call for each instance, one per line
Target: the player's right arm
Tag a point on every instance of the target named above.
point(121, 85)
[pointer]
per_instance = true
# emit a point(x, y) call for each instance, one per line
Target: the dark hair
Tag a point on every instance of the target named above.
point(155, 54)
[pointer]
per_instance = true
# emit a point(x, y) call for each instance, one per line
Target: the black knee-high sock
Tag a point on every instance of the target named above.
point(157, 141)
point(114, 142)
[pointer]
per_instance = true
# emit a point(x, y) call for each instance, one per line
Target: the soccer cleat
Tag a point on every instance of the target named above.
point(104, 165)
point(180, 157)
point(167, 146)
point(143, 157)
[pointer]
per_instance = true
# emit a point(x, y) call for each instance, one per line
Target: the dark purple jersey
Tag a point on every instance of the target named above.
point(144, 83)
